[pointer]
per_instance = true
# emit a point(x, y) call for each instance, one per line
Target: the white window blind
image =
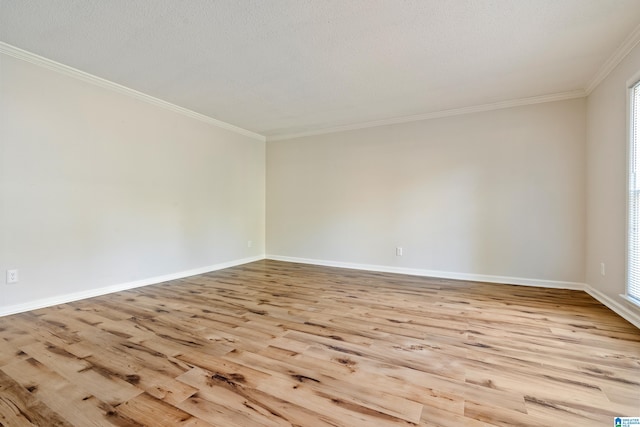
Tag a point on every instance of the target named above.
point(633, 253)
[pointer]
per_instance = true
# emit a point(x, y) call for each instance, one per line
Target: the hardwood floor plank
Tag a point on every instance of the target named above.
point(149, 411)
point(352, 370)
point(101, 382)
point(18, 407)
point(313, 378)
point(158, 382)
point(437, 417)
point(232, 392)
point(440, 392)
point(343, 412)
point(75, 405)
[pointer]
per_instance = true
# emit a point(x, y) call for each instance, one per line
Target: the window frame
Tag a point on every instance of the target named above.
point(633, 188)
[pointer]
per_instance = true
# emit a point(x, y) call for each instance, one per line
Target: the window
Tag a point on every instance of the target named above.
point(633, 252)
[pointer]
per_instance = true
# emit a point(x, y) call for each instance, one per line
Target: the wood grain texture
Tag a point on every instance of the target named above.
point(281, 344)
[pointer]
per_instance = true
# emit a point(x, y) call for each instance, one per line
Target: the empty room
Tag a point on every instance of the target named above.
point(320, 213)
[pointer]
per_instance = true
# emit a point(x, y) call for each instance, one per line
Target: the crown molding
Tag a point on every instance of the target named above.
point(616, 58)
point(632, 40)
point(24, 55)
point(580, 93)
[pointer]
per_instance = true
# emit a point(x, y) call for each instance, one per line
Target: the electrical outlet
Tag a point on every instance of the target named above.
point(602, 270)
point(12, 276)
point(399, 251)
point(249, 243)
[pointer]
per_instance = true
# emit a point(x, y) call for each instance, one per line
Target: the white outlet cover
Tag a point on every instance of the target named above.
point(12, 276)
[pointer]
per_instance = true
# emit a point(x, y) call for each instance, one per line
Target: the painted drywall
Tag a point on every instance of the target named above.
point(607, 139)
point(99, 189)
point(494, 193)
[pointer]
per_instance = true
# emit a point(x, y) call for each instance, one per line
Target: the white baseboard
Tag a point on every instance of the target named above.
point(632, 316)
point(436, 273)
point(90, 293)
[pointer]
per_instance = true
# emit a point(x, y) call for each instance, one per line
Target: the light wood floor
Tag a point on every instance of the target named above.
point(278, 344)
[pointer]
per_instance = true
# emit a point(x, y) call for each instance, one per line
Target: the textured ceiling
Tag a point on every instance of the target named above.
point(280, 67)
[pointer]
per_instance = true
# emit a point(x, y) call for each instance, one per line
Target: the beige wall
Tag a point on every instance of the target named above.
point(494, 193)
point(607, 139)
point(99, 189)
